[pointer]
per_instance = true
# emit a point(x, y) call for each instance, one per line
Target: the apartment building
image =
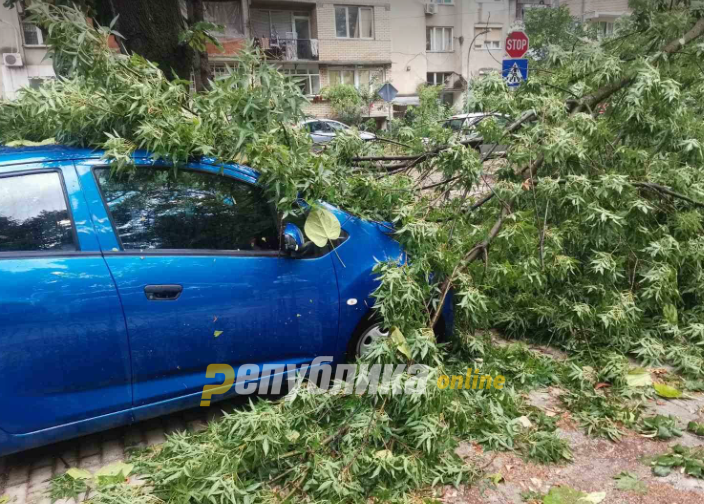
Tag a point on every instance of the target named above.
point(603, 13)
point(446, 42)
point(22, 51)
point(318, 42)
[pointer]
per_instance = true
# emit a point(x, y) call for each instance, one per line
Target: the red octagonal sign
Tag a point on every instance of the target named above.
point(517, 44)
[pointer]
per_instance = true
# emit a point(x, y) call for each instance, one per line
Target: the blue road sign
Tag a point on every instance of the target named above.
point(388, 92)
point(515, 71)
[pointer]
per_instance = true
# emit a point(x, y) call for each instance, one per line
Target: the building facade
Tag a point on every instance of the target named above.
point(23, 52)
point(364, 43)
point(603, 13)
point(318, 42)
point(446, 42)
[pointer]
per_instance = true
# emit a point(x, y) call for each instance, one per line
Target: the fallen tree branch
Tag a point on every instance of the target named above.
point(587, 102)
point(474, 142)
point(471, 256)
point(668, 191)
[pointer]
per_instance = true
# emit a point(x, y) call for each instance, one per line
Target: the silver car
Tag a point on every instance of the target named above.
point(465, 125)
point(324, 130)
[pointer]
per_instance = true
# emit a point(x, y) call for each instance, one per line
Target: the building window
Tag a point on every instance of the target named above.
point(227, 14)
point(439, 39)
point(37, 82)
point(308, 79)
point(354, 22)
point(362, 79)
point(219, 72)
point(489, 41)
point(443, 2)
point(439, 78)
point(33, 35)
point(605, 29)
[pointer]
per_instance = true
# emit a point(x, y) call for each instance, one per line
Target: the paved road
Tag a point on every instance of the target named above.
point(25, 476)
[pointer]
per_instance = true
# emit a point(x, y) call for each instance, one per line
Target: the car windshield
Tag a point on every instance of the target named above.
point(337, 126)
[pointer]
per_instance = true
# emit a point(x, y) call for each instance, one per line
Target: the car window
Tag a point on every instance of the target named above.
point(336, 126)
point(456, 124)
point(160, 209)
point(316, 127)
point(325, 127)
point(34, 215)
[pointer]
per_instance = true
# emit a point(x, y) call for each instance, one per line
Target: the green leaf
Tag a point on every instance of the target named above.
point(670, 313)
point(496, 478)
point(666, 391)
point(113, 473)
point(593, 498)
point(399, 339)
point(383, 454)
point(696, 428)
point(217, 333)
point(79, 474)
point(322, 226)
point(661, 471)
point(563, 495)
point(629, 482)
point(29, 143)
point(638, 377)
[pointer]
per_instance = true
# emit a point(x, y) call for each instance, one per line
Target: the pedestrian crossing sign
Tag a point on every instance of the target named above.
point(515, 71)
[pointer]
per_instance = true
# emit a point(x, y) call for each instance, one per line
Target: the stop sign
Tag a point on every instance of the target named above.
point(517, 44)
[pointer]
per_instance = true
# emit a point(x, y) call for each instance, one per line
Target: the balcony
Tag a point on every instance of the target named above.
point(289, 49)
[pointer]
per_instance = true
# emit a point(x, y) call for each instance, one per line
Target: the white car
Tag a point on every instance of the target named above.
point(324, 130)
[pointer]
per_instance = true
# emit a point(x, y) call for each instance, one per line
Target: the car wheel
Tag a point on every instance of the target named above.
point(367, 339)
point(370, 332)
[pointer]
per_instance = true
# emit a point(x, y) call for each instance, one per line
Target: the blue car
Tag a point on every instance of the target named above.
point(117, 292)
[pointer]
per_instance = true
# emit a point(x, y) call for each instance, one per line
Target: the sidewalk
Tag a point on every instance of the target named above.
point(24, 476)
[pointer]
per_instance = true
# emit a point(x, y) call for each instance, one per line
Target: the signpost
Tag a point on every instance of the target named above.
point(515, 70)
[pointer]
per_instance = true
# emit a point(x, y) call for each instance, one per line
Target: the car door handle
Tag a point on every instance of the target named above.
point(163, 292)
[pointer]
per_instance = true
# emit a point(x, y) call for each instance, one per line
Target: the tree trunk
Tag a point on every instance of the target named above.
point(151, 29)
point(202, 61)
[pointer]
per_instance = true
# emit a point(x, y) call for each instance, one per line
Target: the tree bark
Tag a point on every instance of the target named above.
point(201, 58)
point(151, 29)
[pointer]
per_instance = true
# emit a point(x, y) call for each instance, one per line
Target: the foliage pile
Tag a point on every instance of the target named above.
point(691, 460)
point(590, 239)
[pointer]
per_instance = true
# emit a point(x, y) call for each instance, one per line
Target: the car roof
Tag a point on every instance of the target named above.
point(474, 115)
point(469, 116)
point(50, 153)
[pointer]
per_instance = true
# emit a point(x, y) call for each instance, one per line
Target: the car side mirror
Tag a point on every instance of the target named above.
point(293, 238)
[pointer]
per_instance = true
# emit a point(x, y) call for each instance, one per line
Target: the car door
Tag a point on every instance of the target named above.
point(64, 354)
point(195, 256)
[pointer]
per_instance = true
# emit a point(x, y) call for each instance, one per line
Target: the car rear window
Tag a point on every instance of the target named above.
point(34, 215)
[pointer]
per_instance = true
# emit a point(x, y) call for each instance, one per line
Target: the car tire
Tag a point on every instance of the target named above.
point(370, 330)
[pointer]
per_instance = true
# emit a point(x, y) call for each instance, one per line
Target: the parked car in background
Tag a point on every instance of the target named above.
point(119, 291)
point(324, 130)
point(467, 123)
point(465, 126)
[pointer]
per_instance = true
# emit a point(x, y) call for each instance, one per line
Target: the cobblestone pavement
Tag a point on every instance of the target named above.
point(24, 477)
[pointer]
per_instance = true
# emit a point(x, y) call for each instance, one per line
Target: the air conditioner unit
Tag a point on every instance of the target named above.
point(431, 8)
point(12, 59)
